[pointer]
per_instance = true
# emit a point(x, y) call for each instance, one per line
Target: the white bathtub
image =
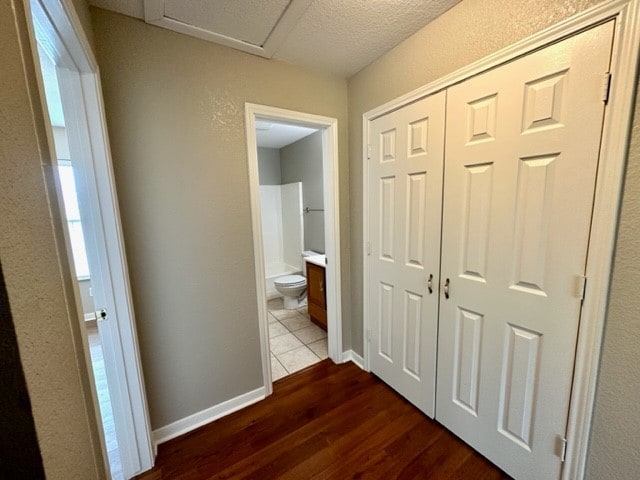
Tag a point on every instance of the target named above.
point(275, 270)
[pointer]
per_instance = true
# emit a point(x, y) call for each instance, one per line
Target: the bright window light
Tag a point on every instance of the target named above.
point(72, 211)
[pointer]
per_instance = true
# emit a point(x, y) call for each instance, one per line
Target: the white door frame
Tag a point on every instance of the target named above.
point(329, 128)
point(610, 179)
point(58, 28)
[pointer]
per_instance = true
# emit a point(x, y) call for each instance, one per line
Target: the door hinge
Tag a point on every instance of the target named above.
point(369, 152)
point(563, 449)
point(368, 248)
point(582, 286)
point(606, 87)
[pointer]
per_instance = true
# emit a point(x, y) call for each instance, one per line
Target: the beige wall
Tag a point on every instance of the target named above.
point(302, 162)
point(615, 435)
point(175, 111)
point(37, 276)
point(468, 32)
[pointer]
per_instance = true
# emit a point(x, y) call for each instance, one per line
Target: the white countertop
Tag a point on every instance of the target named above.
point(320, 260)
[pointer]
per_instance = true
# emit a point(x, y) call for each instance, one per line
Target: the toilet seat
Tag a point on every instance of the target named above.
point(290, 281)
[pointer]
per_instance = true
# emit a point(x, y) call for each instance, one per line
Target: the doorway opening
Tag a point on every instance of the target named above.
point(293, 179)
point(82, 277)
point(76, 131)
point(292, 213)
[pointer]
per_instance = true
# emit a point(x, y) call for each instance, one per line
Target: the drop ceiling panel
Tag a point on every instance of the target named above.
point(253, 26)
point(249, 21)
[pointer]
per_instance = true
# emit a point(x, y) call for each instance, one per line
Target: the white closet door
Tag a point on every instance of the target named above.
point(522, 152)
point(405, 171)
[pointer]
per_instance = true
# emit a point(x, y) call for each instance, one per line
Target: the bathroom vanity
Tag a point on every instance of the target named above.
point(316, 294)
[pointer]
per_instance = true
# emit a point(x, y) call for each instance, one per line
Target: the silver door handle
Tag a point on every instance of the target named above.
point(430, 283)
point(446, 288)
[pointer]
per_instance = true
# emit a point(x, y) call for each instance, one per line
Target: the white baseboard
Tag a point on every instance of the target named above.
point(351, 356)
point(184, 425)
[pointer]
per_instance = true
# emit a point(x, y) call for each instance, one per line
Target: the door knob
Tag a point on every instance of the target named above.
point(430, 283)
point(446, 288)
point(101, 314)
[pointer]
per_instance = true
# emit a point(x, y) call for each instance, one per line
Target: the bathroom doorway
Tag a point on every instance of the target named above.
point(293, 178)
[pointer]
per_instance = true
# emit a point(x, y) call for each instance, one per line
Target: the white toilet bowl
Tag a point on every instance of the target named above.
point(291, 286)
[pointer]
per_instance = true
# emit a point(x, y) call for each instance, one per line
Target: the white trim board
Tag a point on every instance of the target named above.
point(208, 415)
point(351, 356)
point(329, 128)
point(614, 149)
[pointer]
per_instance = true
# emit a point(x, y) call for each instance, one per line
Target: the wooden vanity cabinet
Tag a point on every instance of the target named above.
point(316, 295)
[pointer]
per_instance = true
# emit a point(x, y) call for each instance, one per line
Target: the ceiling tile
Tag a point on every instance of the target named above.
point(250, 21)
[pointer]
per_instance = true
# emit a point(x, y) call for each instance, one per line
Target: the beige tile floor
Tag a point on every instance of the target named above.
point(295, 341)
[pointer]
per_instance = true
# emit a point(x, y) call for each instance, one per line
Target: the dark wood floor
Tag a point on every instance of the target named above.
point(326, 422)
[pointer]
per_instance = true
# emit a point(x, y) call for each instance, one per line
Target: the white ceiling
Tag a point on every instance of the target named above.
point(336, 36)
point(271, 134)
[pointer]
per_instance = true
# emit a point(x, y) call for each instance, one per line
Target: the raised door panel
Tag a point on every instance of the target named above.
point(522, 147)
point(466, 370)
point(476, 215)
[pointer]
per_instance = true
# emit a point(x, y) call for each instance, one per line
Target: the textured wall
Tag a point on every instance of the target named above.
point(269, 166)
point(302, 162)
point(468, 32)
point(37, 277)
point(615, 435)
point(175, 110)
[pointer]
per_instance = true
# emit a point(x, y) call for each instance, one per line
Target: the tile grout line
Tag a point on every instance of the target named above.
point(290, 331)
point(278, 360)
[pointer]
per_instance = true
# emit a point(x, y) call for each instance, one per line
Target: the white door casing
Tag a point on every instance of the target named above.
point(57, 28)
point(405, 165)
point(330, 179)
point(522, 155)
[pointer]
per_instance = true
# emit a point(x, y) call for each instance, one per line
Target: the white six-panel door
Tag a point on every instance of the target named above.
point(405, 168)
point(522, 151)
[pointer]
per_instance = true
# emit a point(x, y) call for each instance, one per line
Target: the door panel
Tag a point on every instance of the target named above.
point(522, 147)
point(405, 203)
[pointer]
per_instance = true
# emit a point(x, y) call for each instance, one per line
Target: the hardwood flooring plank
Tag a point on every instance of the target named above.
point(326, 422)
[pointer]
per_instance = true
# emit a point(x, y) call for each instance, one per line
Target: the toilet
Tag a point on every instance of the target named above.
point(292, 287)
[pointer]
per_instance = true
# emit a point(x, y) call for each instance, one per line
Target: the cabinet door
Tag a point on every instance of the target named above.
point(522, 154)
point(316, 285)
point(316, 296)
point(405, 199)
